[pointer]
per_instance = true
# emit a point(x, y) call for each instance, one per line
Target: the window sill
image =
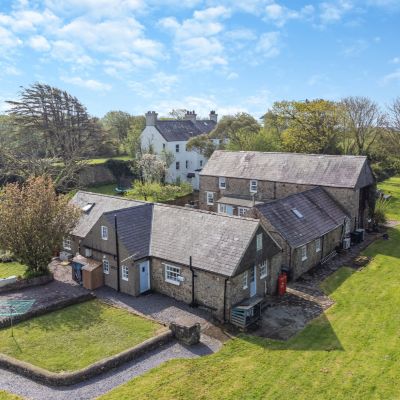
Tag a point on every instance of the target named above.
point(67, 248)
point(263, 276)
point(125, 279)
point(304, 259)
point(176, 283)
point(245, 287)
point(106, 273)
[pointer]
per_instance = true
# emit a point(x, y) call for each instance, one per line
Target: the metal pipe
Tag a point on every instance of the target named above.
point(225, 283)
point(193, 276)
point(117, 251)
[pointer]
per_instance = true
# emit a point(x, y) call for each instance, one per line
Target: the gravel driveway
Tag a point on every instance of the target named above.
point(95, 387)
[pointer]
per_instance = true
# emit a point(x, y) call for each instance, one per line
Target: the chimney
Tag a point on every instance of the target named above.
point(151, 118)
point(190, 115)
point(213, 116)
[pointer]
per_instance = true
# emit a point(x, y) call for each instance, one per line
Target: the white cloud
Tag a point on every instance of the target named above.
point(231, 76)
point(392, 77)
point(39, 43)
point(334, 11)
point(395, 60)
point(355, 48)
point(268, 44)
point(159, 84)
point(281, 14)
point(90, 84)
point(8, 40)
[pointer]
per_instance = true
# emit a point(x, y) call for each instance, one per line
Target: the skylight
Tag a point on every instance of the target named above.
point(297, 213)
point(86, 208)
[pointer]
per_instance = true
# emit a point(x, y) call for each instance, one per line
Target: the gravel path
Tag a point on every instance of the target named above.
point(95, 387)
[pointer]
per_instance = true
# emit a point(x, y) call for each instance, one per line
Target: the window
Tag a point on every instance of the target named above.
point(187, 164)
point(222, 208)
point(67, 244)
point(318, 245)
point(125, 273)
point(201, 163)
point(210, 198)
point(297, 213)
point(259, 242)
point(177, 165)
point(263, 269)
point(347, 226)
point(177, 148)
point(87, 207)
point(88, 252)
point(242, 211)
point(104, 233)
point(245, 279)
point(253, 186)
point(303, 253)
point(106, 266)
point(222, 182)
point(172, 274)
point(163, 146)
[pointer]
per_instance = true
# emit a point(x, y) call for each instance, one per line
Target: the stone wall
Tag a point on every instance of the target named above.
point(25, 283)
point(92, 175)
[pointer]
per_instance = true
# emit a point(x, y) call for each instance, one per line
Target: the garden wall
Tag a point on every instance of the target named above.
point(25, 283)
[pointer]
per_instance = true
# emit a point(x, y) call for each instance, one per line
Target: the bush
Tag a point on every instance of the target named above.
point(6, 256)
point(379, 216)
point(158, 192)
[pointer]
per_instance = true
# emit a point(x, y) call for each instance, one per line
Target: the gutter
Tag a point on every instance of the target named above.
point(117, 251)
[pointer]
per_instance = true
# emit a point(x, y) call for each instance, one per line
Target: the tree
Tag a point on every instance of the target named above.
point(203, 144)
point(235, 127)
point(152, 168)
point(178, 113)
point(363, 121)
point(34, 220)
point(155, 191)
point(55, 133)
point(132, 141)
point(117, 123)
point(311, 126)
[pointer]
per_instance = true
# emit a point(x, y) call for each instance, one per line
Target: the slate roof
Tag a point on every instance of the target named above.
point(134, 228)
point(102, 204)
point(183, 130)
point(216, 242)
point(321, 214)
point(238, 201)
point(307, 169)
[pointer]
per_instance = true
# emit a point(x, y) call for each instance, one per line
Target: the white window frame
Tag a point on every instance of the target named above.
point(88, 252)
point(125, 273)
point(221, 208)
point(318, 245)
point(67, 243)
point(245, 280)
point(222, 182)
point(104, 232)
point(106, 266)
point(177, 148)
point(253, 185)
point(264, 269)
point(303, 250)
point(210, 202)
point(242, 211)
point(172, 274)
point(259, 239)
point(347, 226)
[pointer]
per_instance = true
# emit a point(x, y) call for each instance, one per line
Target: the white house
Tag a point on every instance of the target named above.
point(172, 136)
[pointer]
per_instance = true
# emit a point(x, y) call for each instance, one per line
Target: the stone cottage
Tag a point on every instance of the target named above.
point(309, 226)
point(172, 136)
point(202, 258)
point(232, 182)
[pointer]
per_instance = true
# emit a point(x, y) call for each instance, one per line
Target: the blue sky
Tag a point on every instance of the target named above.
point(137, 55)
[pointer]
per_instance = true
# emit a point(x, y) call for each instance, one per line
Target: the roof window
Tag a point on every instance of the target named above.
point(86, 208)
point(297, 213)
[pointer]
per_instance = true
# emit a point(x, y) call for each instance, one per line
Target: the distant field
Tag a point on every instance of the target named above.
point(392, 186)
point(95, 161)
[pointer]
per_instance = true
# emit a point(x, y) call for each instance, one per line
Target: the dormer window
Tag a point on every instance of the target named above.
point(253, 186)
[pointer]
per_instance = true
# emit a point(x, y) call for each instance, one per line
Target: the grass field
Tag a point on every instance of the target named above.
point(11, 268)
point(76, 336)
point(392, 186)
point(8, 396)
point(95, 161)
point(350, 352)
point(104, 189)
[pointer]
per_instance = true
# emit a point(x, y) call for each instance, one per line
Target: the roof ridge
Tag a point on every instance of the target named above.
point(316, 188)
point(121, 210)
point(292, 153)
point(111, 196)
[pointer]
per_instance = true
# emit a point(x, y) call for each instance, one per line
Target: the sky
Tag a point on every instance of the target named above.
point(202, 55)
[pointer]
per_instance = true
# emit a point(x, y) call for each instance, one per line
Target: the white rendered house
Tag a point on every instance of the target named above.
point(172, 136)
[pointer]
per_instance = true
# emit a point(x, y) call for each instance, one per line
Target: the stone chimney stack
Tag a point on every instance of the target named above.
point(151, 118)
point(190, 115)
point(213, 116)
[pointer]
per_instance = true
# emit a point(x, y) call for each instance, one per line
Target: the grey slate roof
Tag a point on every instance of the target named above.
point(102, 204)
point(321, 214)
point(134, 229)
point(215, 242)
point(237, 201)
point(183, 130)
point(307, 169)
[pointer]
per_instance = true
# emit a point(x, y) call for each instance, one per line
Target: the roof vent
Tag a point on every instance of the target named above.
point(297, 213)
point(86, 208)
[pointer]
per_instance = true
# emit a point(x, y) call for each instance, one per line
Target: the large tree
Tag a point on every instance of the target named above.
point(54, 134)
point(34, 220)
point(363, 122)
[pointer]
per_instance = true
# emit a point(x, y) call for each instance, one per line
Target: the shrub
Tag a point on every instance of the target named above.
point(379, 216)
point(6, 256)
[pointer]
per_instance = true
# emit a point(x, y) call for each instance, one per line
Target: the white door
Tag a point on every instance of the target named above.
point(253, 282)
point(144, 276)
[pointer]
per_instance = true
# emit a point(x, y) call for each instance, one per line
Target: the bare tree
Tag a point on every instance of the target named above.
point(363, 121)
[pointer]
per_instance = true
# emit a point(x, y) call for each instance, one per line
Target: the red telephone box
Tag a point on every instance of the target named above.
point(282, 281)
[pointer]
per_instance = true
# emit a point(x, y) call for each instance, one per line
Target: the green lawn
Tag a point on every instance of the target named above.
point(350, 352)
point(392, 186)
point(76, 336)
point(8, 396)
point(11, 268)
point(104, 189)
point(95, 161)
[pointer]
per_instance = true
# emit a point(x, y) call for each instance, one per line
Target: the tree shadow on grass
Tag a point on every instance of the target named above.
point(334, 281)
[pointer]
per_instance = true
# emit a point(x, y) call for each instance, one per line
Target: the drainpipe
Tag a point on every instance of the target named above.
point(193, 276)
point(322, 247)
point(225, 283)
point(117, 251)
